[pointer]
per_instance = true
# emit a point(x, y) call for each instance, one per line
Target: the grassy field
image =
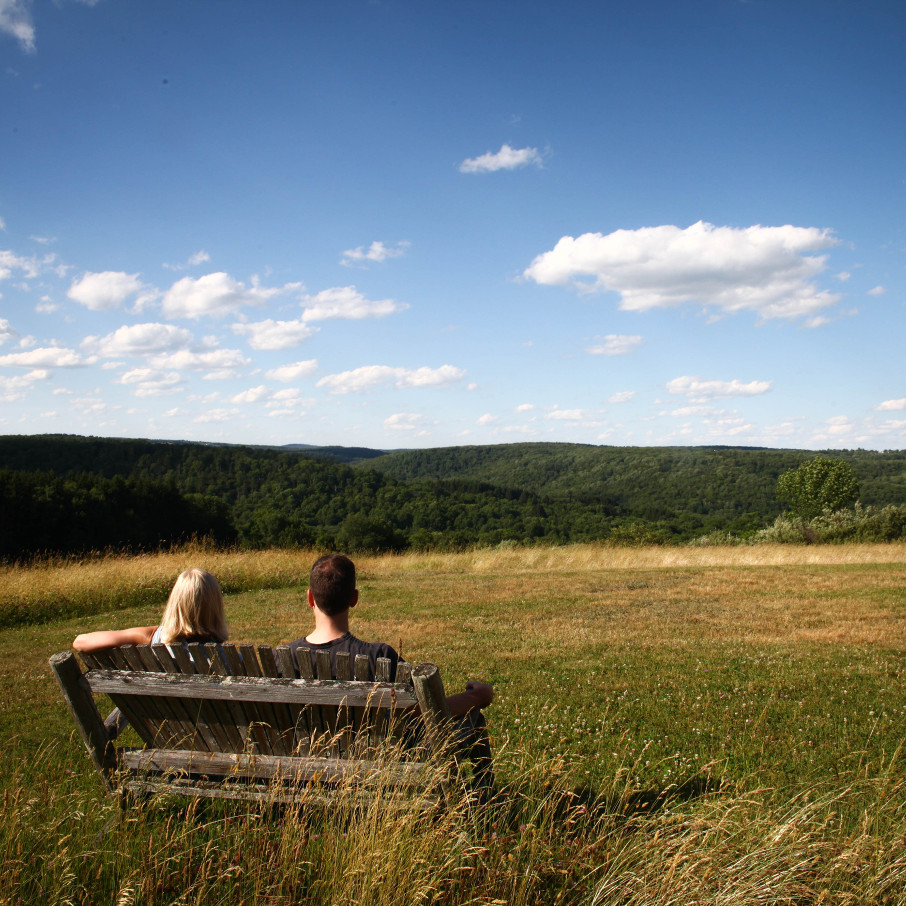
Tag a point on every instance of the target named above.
point(672, 725)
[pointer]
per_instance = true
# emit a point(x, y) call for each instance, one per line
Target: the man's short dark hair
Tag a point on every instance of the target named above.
point(332, 582)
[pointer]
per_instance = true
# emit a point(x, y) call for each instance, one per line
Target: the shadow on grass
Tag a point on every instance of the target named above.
point(590, 806)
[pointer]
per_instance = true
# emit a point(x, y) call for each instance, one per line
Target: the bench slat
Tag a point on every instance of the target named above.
point(291, 769)
point(282, 741)
point(289, 669)
point(259, 718)
point(216, 715)
point(235, 730)
point(149, 722)
point(204, 738)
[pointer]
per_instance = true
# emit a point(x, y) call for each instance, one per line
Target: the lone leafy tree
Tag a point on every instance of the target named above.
point(818, 485)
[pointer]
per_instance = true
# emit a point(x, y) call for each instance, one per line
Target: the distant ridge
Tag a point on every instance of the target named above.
point(336, 453)
point(66, 489)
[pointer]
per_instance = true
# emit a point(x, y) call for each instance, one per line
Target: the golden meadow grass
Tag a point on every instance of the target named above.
point(672, 725)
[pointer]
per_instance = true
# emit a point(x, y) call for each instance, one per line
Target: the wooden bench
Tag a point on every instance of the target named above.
point(253, 722)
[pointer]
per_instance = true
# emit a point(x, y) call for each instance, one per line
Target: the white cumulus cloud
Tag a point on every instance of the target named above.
point(270, 334)
point(877, 291)
point(252, 395)
point(215, 294)
point(151, 382)
point(105, 290)
point(346, 302)
point(368, 376)
point(45, 357)
point(506, 158)
point(891, 405)
point(199, 361)
point(376, 253)
point(767, 270)
point(292, 372)
point(615, 344)
point(139, 340)
point(288, 397)
point(700, 390)
point(624, 396)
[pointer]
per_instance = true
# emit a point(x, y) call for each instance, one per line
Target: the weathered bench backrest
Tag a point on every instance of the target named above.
point(233, 698)
point(246, 705)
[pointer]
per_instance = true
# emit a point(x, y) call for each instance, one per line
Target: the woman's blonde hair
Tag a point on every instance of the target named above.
point(194, 610)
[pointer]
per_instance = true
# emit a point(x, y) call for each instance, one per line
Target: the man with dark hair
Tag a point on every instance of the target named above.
point(332, 593)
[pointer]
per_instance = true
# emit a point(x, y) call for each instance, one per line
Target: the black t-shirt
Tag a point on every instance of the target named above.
point(349, 643)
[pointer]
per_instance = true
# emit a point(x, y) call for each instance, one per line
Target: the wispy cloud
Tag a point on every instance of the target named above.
point(186, 359)
point(767, 270)
point(408, 421)
point(27, 266)
point(15, 388)
point(252, 395)
point(700, 390)
point(199, 257)
point(293, 371)
point(347, 303)
point(216, 416)
point(7, 332)
point(376, 253)
point(891, 405)
point(146, 382)
point(368, 376)
point(615, 344)
point(506, 158)
point(270, 334)
point(16, 21)
point(573, 415)
point(46, 357)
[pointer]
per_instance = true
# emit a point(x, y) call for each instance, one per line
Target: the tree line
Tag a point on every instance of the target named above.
point(74, 494)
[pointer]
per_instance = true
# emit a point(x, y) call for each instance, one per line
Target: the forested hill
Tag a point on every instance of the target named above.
point(72, 494)
point(649, 482)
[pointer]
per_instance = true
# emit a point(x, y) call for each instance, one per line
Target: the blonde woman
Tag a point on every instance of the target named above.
point(194, 613)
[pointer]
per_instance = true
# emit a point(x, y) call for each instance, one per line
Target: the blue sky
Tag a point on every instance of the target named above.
point(416, 224)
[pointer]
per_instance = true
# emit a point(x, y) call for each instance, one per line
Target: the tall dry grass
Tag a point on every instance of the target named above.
point(581, 557)
point(542, 841)
point(60, 587)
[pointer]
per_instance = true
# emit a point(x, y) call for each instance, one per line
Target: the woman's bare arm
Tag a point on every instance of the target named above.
point(113, 638)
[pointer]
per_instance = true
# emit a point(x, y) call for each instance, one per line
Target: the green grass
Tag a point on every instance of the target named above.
point(717, 726)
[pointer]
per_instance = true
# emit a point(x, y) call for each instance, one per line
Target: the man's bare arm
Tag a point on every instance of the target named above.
point(477, 695)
